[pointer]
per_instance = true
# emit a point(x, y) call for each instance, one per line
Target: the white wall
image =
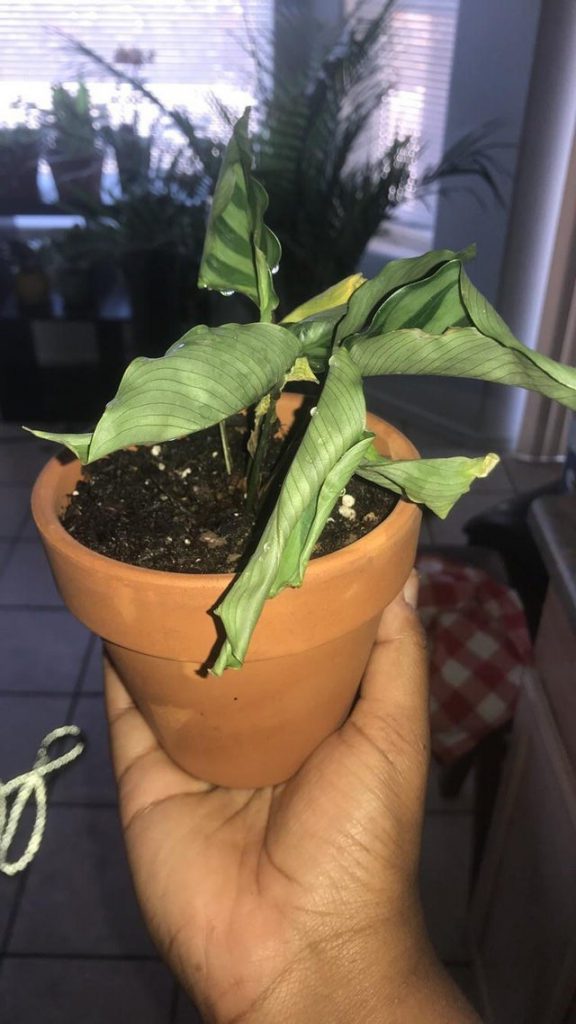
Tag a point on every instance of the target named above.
point(490, 79)
point(494, 51)
point(547, 146)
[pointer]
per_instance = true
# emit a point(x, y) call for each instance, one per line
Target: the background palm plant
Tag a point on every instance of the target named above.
point(329, 193)
point(417, 316)
point(314, 106)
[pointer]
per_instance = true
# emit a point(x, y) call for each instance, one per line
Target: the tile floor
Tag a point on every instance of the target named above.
point(72, 942)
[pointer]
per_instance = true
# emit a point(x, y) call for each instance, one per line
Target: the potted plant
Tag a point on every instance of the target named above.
point(298, 634)
point(328, 193)
point(73, 149)
point(77, 256)
point(153, 233)
point(31, 281)
point(19, 155)
point(133, 153)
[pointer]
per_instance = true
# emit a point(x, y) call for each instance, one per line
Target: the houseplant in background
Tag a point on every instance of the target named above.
point(28, 261)
point(329, 193)
point(77, 262)
point(133, 152)
point(19, 155)
point(72, 146)
point(313, 627)
point(153, 233)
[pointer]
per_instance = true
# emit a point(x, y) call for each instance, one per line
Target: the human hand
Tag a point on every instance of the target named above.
point(296, 902)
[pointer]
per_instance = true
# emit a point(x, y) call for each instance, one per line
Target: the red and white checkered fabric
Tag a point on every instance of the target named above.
point(479, 649)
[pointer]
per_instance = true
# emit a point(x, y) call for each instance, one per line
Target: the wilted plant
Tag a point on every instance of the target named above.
point(417, 316)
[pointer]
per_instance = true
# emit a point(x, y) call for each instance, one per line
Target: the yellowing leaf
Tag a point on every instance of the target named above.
point(301, 371)
point(337, 295)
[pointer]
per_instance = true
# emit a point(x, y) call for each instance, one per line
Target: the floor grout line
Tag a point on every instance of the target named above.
point(76, 692)
point(14, 607)
point(89, 805)
point(174, 1003)
point(106, 957)
point(35, 694)
point(11, 921)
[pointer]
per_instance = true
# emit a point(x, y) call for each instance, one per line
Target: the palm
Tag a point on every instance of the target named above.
point(215, 868)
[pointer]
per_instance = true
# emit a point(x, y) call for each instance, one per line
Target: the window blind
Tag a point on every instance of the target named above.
point(416, 59)
point(189, 50)
point(185, 50)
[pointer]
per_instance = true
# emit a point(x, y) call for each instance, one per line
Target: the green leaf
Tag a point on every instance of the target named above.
point(487, 320)
point(210, 374)
point(336, 427)
point(436, 483)
point(77, 443)
point(464, 352)
point(432, 304)
point(337, 295)
point(394, 275)
point(418, 331)
point(240, 252)
point(303, 538)
point(316, 335)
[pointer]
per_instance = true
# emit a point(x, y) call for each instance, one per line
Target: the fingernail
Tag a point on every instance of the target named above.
point(410, 591)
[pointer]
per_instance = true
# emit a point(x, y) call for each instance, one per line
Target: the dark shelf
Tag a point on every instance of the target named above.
point(23, 208)
point(114, 305)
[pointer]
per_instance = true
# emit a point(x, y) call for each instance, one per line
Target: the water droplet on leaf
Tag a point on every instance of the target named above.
point(226, 293)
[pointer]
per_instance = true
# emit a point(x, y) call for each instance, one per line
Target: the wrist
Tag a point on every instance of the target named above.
point(354, 974)
point(368, 976)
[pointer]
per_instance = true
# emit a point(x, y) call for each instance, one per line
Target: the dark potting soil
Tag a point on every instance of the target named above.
point(173, 507)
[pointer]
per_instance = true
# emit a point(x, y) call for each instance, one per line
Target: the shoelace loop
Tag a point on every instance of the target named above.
point(25, 787)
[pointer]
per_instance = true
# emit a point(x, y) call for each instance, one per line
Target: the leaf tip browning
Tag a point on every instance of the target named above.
point(489, 463)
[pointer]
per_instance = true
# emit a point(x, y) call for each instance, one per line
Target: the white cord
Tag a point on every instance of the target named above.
point(31, 784)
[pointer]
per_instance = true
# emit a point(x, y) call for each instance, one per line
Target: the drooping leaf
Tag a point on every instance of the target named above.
point(336, 427)
point(436, 483)
point(464, 352)
point(303, 538)
point(210, 374)
point(336, 296)
point(77, 443)
point(488, 321)
point(394, 275)
point(240, 252)
point(433, 304)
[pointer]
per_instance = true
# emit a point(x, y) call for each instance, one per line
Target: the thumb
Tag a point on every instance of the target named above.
point(393, 701)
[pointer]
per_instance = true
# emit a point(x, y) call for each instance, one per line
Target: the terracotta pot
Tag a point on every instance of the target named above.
point(254, 726)
point(77, 178)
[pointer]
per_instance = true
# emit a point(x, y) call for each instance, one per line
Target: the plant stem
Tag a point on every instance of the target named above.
point(255, 469)
point(225, 447)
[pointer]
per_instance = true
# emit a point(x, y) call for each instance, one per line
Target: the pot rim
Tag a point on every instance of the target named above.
point(48, 524)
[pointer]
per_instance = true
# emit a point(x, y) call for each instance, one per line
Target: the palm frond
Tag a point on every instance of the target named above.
point(474, 155)
point(204, 149)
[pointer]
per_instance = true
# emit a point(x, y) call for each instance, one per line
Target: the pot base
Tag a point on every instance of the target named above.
point(254, 726)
